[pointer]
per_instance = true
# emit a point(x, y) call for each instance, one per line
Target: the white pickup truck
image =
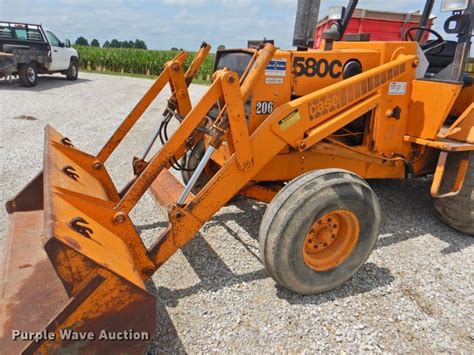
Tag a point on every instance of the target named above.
point(27, 50)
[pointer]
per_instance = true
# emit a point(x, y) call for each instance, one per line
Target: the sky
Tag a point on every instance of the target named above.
point(163, 24)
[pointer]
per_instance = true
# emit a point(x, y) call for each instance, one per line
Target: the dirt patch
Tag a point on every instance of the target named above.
point(25, 117)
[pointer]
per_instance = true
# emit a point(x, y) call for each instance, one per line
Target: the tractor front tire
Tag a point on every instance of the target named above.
point(190, 161)
point(458, 211)
point(319, 230)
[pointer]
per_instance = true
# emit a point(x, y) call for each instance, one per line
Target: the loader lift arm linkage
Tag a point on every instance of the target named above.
point(300, 123)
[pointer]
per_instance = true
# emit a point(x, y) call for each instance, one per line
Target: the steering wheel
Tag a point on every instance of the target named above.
point(439, 42)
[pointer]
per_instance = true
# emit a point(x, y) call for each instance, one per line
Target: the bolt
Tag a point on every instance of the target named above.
point(119, 218)
point(148, 271)
point(248, 164)
point(231, 79)
point(415, 63)
point(179, 215)
point(97, 165)
point(175, 67)
point(303, 145)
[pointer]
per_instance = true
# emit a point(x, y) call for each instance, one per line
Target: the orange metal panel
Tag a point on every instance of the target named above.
point(324, 68)
point(324, 104)
point(431, 104)
point(465, 98)
point(285, 167)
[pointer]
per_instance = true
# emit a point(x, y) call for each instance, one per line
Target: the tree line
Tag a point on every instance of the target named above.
point(138, 43)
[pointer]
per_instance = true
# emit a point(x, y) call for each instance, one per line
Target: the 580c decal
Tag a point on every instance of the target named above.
point(311, 66)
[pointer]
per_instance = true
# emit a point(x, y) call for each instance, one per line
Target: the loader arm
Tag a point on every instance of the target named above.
point(299, 124)
point(179, 82)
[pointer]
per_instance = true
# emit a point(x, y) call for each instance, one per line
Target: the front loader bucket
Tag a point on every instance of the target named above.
point(72, 280)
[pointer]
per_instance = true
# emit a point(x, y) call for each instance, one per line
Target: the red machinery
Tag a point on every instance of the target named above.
point(372, 25)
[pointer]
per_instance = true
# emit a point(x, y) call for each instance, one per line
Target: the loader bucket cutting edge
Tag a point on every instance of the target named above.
point(88, 279)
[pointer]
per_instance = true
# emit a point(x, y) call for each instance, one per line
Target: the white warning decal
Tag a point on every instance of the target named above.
point(276, 67)
point(397, 88)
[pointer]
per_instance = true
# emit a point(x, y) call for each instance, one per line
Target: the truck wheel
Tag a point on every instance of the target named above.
point(72, 71)
point(28, 74)
point(458, 211)
point(319, 230)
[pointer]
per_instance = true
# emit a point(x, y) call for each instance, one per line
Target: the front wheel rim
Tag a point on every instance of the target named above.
point(74, 71)
point(331, 240)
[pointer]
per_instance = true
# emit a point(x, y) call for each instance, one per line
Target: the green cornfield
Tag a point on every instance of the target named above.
point(135, 61)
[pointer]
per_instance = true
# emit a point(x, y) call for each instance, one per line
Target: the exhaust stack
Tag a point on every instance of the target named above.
point(305, 23)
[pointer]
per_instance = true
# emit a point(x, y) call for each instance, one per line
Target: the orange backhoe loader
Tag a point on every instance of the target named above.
point(300, 130)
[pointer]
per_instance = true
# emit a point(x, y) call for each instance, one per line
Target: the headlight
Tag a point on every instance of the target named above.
point(454, 5)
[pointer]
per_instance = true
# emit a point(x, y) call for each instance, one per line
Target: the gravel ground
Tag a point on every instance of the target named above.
point(415, 293)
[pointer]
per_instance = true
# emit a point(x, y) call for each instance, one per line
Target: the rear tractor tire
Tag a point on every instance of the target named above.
point(319, 230)
point(458, 211)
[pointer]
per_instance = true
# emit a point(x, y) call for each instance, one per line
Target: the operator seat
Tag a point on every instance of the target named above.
point(438, 60)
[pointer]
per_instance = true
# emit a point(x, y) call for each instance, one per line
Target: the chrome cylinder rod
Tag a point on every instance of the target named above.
point(197, 173)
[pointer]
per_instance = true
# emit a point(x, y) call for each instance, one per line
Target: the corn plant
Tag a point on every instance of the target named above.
point(135, 61)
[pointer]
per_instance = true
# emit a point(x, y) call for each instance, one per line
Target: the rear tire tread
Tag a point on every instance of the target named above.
point(458, 211)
